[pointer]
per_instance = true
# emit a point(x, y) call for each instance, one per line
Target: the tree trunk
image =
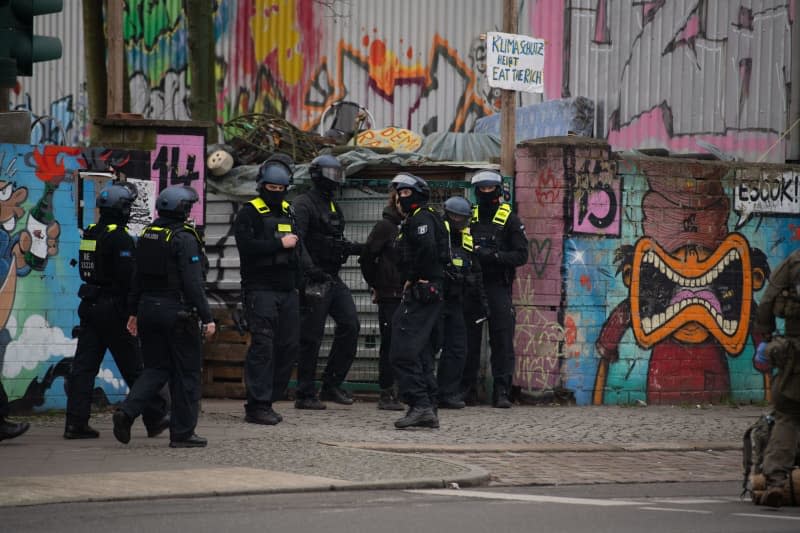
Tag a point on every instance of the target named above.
point(94, 48)
point(202, 96)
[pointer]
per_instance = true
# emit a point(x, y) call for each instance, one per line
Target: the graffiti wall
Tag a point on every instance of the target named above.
point(39, 237)
point(645, 273)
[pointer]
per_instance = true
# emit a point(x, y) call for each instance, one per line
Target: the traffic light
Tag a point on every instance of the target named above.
point(19, 47)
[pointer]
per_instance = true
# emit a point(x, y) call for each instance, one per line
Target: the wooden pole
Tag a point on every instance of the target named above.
point(202, 95)
point(116, 51)
point(508, 103)
point(94, 53)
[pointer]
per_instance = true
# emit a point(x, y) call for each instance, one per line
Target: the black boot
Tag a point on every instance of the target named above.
point(265, 417)
point(388, 401)
point(452, 402)
point(192, 441)
point(335, 395)
point(423, 417)
point(122, 426)
point(311, 403)
point(80, 431)
point(501, 400)
point(11, 430)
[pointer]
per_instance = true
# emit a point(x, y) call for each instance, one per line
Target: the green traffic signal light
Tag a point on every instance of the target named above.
point(18, 44)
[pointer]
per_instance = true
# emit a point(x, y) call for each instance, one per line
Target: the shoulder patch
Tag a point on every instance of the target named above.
point(195, 259)
point(125, 253)
point(422, 229)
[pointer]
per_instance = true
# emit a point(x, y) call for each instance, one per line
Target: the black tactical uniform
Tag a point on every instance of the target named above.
point(463, 279)
point(422, 249)
point(379, 267)
point(106, 266)
point(320, 225)
point(168, 299)
point(500, 243)
point(782, 299)
point(271, 275)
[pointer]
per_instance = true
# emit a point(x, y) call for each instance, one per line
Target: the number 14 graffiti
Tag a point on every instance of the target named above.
point(179, 160)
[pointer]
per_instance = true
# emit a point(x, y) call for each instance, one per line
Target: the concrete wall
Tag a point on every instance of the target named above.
point(644, 273)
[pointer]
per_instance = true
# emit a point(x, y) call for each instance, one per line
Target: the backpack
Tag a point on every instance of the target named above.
point(755, 442)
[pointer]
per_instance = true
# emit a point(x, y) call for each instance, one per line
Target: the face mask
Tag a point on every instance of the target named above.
point(273, 198)
point(456, 225)
point(408, 203)
point(486, 199)
point(325, 186)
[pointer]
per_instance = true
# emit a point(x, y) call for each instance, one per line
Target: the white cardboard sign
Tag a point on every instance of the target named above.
point(515, 62)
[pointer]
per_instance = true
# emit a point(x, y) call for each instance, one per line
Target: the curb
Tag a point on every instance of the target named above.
point(32, 495)
point(684, 446)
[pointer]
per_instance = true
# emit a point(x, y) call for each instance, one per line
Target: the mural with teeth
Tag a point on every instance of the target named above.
point(690, 290)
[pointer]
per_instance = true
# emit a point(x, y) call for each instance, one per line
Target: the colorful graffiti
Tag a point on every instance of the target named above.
point(715, 48)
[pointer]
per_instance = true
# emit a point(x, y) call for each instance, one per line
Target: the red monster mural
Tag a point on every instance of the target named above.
point(691, 285)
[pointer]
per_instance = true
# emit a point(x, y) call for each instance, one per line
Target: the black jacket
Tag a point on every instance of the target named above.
point(320, 225)
point(422, 247)
point(186, 256)
point(379, 257)
point(264, 263)
point(117, 249)
point(508, 242)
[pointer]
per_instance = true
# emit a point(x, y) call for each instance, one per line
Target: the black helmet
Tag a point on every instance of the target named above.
point(116, 195)
point(275, 172)
point(176, 200)
point(326, 167)
point(410, 181)
point(487, 178)
point(458, 205)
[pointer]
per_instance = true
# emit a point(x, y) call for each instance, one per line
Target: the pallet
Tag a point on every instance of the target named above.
point(223, 360)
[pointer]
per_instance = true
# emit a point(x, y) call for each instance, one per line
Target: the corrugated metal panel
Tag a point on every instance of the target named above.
point(57, 87)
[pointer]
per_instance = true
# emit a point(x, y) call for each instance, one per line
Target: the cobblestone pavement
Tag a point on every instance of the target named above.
point(520, 446)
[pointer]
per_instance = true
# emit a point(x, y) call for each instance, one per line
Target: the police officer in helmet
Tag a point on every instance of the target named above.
point(463, 278)
point(167, 302)
point(422, 252)
point(269, 251)
point(106, 263)
point(320, 225)
point(501, 246)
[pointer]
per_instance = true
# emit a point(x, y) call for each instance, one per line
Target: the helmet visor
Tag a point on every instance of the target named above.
point(404, 181)
point(336, 175)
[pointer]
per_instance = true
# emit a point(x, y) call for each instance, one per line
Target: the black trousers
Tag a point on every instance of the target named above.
point(502, 321)
point(3, 402)
point(338, 303)
point(172, 353)
point(273, 318)
point(453, 340)
point(103, 327)
point(386, 311)
point(413, 341)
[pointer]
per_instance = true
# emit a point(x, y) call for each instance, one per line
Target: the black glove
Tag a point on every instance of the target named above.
point(487, 255)
point(318, 275)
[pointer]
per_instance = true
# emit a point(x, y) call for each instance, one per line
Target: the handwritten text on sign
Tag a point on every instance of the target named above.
point(515, 62)
point(770, 195)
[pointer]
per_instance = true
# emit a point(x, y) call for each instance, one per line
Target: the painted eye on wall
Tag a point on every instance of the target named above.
point(5, 192)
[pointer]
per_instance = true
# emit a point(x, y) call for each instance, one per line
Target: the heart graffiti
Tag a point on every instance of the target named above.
point(539, 254)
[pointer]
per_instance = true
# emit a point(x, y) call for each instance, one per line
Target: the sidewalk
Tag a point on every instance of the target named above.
point(357, 447)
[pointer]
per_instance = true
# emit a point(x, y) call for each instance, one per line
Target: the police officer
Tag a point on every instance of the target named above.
point(781, 299)
point(106, 266)
point(462, 274)
point(320, 225)
point(9, 429)
point(270, 268)
point(422, 252)
point(379, 267)
point(167, 300)
point(501, 246)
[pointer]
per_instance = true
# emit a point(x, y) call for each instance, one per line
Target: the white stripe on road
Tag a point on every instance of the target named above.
point(525, 497)
point(775, 516)
point(673, 510)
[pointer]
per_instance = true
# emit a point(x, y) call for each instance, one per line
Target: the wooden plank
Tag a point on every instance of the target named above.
point(224, 390)
point(225, 373)
point(224, 352)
